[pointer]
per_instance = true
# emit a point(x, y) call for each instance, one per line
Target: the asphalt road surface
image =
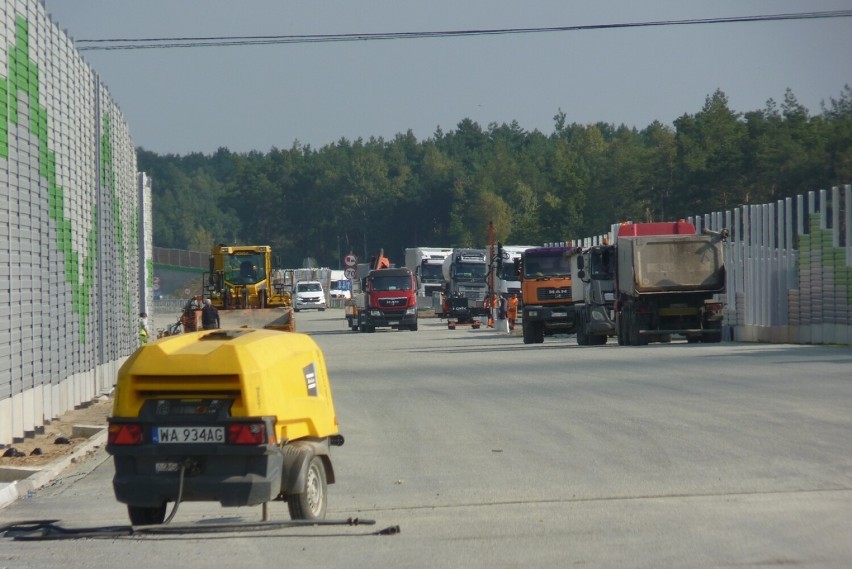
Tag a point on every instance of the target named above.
point(491, 454)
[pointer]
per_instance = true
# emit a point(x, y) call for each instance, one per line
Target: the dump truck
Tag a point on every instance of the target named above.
point(667, 279)
point(240, 417)
point(546, 292)
point(593, 294)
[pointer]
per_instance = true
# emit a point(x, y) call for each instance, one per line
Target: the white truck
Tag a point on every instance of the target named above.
point(507, 279)
point(340, 287)
point(425, 263)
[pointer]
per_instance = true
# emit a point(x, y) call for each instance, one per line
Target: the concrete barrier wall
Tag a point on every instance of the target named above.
point(72, 252)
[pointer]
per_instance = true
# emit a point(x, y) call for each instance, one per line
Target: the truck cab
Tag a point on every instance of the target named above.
point(387, 299)
point(593, 293)
point(546, 292)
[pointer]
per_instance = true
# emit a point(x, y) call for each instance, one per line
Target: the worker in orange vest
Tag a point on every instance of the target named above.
point(489, 306)
point(512, 311)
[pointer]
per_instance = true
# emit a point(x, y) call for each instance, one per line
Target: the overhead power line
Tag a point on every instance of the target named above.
point(228, 41)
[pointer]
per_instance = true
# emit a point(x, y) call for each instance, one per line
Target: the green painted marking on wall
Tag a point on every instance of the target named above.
point(23, 78)
point(108, 181)
point(818, 244)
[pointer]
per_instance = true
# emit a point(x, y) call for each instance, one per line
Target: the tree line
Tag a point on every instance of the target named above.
point(362, 195)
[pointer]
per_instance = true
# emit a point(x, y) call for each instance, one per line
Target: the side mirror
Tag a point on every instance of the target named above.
point(581, 264)
point(581, 274)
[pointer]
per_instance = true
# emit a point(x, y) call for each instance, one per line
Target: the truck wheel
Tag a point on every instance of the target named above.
point(539, 332)
point(311, 502)
point(370, 329)
point(413, 327)
point(529, 333)
point(144, 516)
point(582, 337)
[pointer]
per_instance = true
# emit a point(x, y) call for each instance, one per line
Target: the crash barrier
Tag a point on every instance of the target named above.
point(789, 268)
point(75, 220)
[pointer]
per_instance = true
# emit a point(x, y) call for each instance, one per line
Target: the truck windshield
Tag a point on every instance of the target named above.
point(553, 265)
point(308, 287)
point(602, 264)
point(245, 269)
point(510, 271)
point(470, 270)
point(392, 283)
point(431, 272)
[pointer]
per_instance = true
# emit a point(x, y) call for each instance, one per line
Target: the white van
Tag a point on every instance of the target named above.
point(340, 287)
point(309, 294)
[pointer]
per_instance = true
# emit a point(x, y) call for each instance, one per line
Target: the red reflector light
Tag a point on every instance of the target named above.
point(246, 433)
point(124, 434)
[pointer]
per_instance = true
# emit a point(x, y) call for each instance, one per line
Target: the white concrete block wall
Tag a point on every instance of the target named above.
point(69, 216)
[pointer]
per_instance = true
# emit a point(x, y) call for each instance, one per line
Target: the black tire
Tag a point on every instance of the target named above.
point(619, 326)
point(370, 329)
point(529, 333)
point(145, 516)
point(312, 501)
point(413, 327)
point(583, 338)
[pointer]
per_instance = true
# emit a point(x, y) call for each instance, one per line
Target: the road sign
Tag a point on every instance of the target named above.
point(187, 292)
point(349, 273)
point(350, 261)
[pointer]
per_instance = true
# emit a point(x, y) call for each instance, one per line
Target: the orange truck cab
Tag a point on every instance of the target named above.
point(546, 292)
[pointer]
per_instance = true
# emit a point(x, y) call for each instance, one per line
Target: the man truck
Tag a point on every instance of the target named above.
point(385, 299)
point(546, 292)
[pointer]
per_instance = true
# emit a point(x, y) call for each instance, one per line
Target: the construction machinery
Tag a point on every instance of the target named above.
point(668, 277)
point(236, 416)
point(241, 276)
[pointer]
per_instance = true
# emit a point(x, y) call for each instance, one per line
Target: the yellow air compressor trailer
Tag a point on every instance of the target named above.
point(240, 417)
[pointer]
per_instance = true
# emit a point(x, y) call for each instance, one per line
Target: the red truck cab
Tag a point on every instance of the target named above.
point(388, 300)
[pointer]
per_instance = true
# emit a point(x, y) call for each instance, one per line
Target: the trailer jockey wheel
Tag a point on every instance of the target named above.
point(144, 516)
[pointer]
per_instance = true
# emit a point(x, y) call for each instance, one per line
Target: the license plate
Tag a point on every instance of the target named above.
point(393, 322)
point(170, 435)
point(559, 314)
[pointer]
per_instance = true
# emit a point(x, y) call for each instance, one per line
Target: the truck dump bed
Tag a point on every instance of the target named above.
point(670, 263)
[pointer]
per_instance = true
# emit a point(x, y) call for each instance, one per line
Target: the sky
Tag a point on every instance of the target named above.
point(255, 98)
